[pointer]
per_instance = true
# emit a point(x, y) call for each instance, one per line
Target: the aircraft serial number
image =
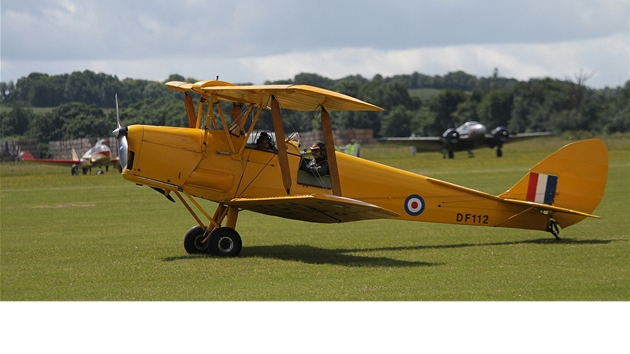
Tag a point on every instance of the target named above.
point(472, 218)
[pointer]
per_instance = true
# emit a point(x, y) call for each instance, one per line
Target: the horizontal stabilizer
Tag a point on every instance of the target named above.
point(542, 206)
point(314, 208)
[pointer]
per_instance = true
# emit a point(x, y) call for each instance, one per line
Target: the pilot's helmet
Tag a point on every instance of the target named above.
point(263, 138)
point(319, 146)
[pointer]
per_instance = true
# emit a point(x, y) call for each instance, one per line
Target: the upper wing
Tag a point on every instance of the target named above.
point(423, 143)
point(295, 97)
point(314, 208)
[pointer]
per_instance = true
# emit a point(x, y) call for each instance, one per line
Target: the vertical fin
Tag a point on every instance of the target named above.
point(574, 177)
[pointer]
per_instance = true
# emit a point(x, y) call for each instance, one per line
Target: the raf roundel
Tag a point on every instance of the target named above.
point(414, 205)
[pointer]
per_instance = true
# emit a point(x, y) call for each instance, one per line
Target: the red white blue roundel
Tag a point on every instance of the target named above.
point(414, 205)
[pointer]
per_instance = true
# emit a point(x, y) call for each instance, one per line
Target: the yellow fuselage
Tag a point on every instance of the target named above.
point(210, 165)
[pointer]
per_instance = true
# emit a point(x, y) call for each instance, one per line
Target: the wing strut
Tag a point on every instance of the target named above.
point(190, 110)
point(283, 158)
point(330, 152)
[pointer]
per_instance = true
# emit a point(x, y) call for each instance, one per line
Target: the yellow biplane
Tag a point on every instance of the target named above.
point(215, 159)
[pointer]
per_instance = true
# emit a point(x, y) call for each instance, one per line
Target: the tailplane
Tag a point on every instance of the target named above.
point(574, 177)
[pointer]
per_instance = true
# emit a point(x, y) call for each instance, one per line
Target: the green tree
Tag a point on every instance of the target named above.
point(16, 121)
point(495, 108)
point(397, 122)
point(443, 107)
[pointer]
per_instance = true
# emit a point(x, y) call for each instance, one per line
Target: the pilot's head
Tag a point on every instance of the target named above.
point(263, 140)
point(318, 149)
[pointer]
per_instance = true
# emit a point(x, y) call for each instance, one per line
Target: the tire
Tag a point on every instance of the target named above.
point(225, 242)
point(193, 240)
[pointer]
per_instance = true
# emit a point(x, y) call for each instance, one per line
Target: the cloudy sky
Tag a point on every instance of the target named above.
point(253, 41)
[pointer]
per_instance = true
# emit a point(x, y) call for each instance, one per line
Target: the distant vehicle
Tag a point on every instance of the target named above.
point(213, 159)
point(97, 156)
point(467, 137)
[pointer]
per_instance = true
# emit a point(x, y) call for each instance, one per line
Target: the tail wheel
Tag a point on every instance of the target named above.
point(193, 241)
point(554, 228)
point(225, 242)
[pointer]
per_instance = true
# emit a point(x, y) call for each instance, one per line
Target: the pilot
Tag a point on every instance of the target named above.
point(319, 165)
point(264, 142)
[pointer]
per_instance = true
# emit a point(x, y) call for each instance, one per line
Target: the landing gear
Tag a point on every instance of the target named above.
point(213, 239)
point(554, 228)
point(195, 240)
point(499, 152)
point(225, 242)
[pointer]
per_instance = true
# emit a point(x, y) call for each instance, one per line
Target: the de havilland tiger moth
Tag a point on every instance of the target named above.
point(214, 159)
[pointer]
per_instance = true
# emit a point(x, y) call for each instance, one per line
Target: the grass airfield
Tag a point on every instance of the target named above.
point(101, 238)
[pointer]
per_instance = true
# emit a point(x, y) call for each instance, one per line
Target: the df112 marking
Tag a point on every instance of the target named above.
point(472, 218)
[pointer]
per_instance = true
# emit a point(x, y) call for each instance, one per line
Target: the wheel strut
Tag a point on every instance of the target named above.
point(554, 228)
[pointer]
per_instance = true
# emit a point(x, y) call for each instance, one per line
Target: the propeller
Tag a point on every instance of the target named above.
point(121, 134)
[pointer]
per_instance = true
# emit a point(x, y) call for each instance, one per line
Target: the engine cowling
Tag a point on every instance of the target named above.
point(501, 135)
point(450, 136)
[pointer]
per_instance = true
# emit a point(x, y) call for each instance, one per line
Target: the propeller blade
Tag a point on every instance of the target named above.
point(121, 134)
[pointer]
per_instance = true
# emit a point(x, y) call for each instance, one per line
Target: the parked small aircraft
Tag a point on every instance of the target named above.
point(97, 156)
point(214, 159)
point(468, 136)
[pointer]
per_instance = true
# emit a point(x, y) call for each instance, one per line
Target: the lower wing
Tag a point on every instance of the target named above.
point(314, 208)
point(28, 157)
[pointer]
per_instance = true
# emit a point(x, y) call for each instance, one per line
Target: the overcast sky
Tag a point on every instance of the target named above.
point(253, 41)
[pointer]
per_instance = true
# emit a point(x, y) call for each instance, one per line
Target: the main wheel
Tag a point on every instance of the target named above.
point(193, 241)
point(225, 242)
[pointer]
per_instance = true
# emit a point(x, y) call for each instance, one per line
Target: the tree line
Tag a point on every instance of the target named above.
point(81, 104)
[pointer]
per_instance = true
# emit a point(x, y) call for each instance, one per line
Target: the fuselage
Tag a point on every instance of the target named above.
point(97, 156)
point(219, 167)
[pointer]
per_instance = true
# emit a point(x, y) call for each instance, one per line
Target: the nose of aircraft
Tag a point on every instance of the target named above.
point(121, 134)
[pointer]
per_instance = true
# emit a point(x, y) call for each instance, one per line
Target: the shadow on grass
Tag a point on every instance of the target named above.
point(314, 255)
point(542, 241)
point(348, 257)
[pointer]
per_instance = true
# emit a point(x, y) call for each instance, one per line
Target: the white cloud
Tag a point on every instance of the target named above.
point(244, 42)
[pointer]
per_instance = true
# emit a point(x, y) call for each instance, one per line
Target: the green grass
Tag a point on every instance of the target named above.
point(98, 237)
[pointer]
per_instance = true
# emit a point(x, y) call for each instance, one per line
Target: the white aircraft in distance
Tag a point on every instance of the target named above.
point(468, 136)
point(97, 156)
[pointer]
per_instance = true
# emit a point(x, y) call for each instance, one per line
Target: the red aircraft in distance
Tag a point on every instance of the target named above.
point(98, 156)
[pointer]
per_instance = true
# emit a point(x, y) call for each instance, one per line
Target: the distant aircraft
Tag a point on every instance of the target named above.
point(214, 159)
point(98, 156)
point(468, 136)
